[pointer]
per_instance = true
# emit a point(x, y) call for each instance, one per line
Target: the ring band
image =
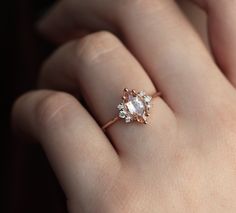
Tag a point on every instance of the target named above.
point(135, 106)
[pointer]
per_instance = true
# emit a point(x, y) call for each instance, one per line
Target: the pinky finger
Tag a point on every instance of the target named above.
point(77, 148)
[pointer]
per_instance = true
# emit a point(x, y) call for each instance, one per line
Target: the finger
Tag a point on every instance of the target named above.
point(197, 18)
point(79, 152)
point(166, 45)
point(101, 68)
point(222, 33)
point(60, 24)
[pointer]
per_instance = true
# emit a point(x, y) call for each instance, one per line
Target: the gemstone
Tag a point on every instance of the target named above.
point(128, 119)
point(147, 99)
point(122, 114)
point(135, 105)
point(121, 106)
point(148, 106)
point(142, 93)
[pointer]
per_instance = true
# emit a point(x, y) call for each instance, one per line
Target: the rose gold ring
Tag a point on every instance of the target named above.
point(135, 106)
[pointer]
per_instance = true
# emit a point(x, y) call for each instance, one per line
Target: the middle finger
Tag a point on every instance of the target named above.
point(162, 40)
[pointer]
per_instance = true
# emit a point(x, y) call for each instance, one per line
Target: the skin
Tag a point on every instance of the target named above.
point(184, 160)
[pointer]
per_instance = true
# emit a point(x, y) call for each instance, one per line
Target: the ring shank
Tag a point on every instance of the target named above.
point(115, 119)
point(109, 123)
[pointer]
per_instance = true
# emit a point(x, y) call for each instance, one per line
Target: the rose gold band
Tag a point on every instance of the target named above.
point(115, 119)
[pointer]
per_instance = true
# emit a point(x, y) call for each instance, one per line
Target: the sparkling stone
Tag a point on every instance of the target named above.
point(122, 114)
point(147, 99)
point(135, 105)
point(142, 93)
point(120, 106)
point(128, 119)
point(148, 106)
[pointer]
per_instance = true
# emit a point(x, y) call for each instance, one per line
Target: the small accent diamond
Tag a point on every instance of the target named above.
point(148, 106)
point(142, 93)
point(135, 105)
point(147, 99)
point(122, 114)
point(128, 119)
point(121, 106)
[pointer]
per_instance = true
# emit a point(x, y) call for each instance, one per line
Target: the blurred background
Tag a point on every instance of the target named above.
point(28, 183)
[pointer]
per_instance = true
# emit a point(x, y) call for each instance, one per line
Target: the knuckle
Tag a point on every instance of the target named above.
point(95, 47)
point(52, 108)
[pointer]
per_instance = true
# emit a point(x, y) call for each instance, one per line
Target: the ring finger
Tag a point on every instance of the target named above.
point(99, 66)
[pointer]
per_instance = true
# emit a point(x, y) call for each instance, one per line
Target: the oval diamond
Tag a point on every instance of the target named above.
point(135, 105)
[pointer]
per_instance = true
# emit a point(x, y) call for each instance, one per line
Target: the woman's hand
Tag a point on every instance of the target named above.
point(184, 160)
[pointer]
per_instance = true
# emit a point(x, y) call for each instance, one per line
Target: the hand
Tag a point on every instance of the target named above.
point(184, 160)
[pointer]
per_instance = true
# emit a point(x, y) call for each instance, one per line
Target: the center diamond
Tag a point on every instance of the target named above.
point(135, 105)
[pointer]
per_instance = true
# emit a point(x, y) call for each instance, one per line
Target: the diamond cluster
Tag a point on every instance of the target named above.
point(135, 106)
